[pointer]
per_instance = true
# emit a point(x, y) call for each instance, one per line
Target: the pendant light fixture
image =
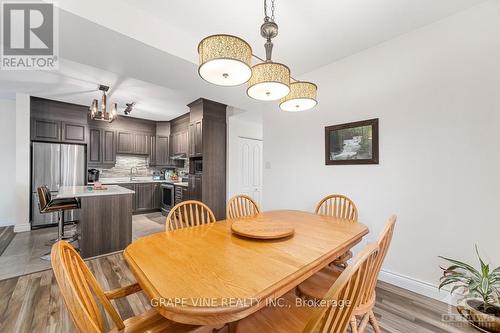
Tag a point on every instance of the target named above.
point(103, 114)
point(302, 97)
point(270, 80)
point(225, 60)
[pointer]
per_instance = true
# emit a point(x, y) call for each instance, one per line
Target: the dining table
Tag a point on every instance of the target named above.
point(207, 275)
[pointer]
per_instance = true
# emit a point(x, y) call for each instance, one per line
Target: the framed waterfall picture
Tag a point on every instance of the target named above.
point(352, 143)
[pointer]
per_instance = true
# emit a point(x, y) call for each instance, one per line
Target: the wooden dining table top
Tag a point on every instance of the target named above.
point(206, 275)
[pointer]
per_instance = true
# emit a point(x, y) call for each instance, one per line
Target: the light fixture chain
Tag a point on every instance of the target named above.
point(272, 10)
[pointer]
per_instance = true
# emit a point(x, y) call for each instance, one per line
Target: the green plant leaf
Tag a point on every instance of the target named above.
point(462, 265)
point(484, 267)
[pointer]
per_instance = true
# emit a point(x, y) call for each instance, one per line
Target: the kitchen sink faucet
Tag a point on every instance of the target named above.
point(132, 174)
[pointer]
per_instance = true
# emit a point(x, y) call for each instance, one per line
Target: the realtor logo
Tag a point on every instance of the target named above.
point(28, 36)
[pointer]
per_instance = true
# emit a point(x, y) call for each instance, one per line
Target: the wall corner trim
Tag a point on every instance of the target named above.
point(22, 227)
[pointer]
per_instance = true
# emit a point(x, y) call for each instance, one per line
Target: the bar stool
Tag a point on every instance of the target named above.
point(48, 205)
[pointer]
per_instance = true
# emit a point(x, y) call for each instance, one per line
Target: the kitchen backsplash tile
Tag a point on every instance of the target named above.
point(123, 165)
point(125, 162)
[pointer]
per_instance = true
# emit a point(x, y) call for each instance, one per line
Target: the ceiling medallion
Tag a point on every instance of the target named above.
point(225, 60)
point(102, 114)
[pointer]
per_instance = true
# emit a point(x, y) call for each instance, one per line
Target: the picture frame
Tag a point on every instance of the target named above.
point(352, 143)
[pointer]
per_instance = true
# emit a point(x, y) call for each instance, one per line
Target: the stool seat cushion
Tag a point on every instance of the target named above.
point(62, 204)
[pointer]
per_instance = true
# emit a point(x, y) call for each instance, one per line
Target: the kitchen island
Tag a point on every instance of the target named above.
point(105, 223)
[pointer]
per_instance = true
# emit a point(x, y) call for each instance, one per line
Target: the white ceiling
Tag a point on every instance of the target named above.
point(312, 33)
point(146, 50)
point(76, 83)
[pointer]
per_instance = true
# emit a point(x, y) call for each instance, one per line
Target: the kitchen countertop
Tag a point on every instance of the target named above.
point(135, 180)
point(139, 180)
point(82, 191)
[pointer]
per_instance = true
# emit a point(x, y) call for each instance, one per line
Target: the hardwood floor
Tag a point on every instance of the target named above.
point(32, 303)
point(20, 252)
point(6, 236)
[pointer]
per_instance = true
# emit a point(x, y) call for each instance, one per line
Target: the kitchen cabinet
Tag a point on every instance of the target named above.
point(162, 150)
point(144, 197)
point(141, 143)
point(94, 148)
point(147, 196)
point(196, 138)
point(101, 149)
point(181, 193)
point(152, 150)
point(156, 195)
point(73, 133)
point(108, 147)
point(194, 187)
point(180, 143)
point(125, 143)
point(131, 187)
point(45, 130)
point(133, 143)
point(58, 131)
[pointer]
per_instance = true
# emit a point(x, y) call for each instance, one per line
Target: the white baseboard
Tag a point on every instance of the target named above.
point(418, 286)
point(22, 227)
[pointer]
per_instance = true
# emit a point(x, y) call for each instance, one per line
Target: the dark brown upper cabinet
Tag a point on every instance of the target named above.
point(101, 149)
point(180, 143)
point(141, 143)
point(108, 147)
point(125, 144)
point(196, 138)
point(133, 143)
point(46, 130)
point(162, 150)
point(74, 132)
point(94, 149)
point(152, 150)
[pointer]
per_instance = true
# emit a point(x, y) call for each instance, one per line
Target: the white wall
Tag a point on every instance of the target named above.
point(7, 165)
point(240, 123)
point(437, 93)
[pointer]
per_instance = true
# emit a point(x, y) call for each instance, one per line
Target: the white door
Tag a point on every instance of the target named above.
point(250, 168)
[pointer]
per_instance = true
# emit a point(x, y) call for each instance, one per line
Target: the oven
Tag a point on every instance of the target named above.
point(167, 198)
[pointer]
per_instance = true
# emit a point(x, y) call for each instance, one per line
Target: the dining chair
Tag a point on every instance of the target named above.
point(317, 285)
point(240, 206)
point(84, 298)
point(189, 213)
point(331, 315)
point(342, 207)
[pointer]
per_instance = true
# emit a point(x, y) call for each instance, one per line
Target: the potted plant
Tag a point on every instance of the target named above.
point(481, 290)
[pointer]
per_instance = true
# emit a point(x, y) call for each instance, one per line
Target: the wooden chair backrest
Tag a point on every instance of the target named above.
point(383, 244)
point(344, 295)
point(43, 197)
point(240, 206)
point(189, 213)
point(338, 205)
point(80, 290)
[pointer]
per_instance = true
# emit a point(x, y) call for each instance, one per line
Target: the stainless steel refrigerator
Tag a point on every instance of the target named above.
point(55, 165)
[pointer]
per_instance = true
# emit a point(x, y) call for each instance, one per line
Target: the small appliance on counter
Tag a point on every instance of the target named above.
point(169, 173)
point(92, 175)
point(157, 175)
